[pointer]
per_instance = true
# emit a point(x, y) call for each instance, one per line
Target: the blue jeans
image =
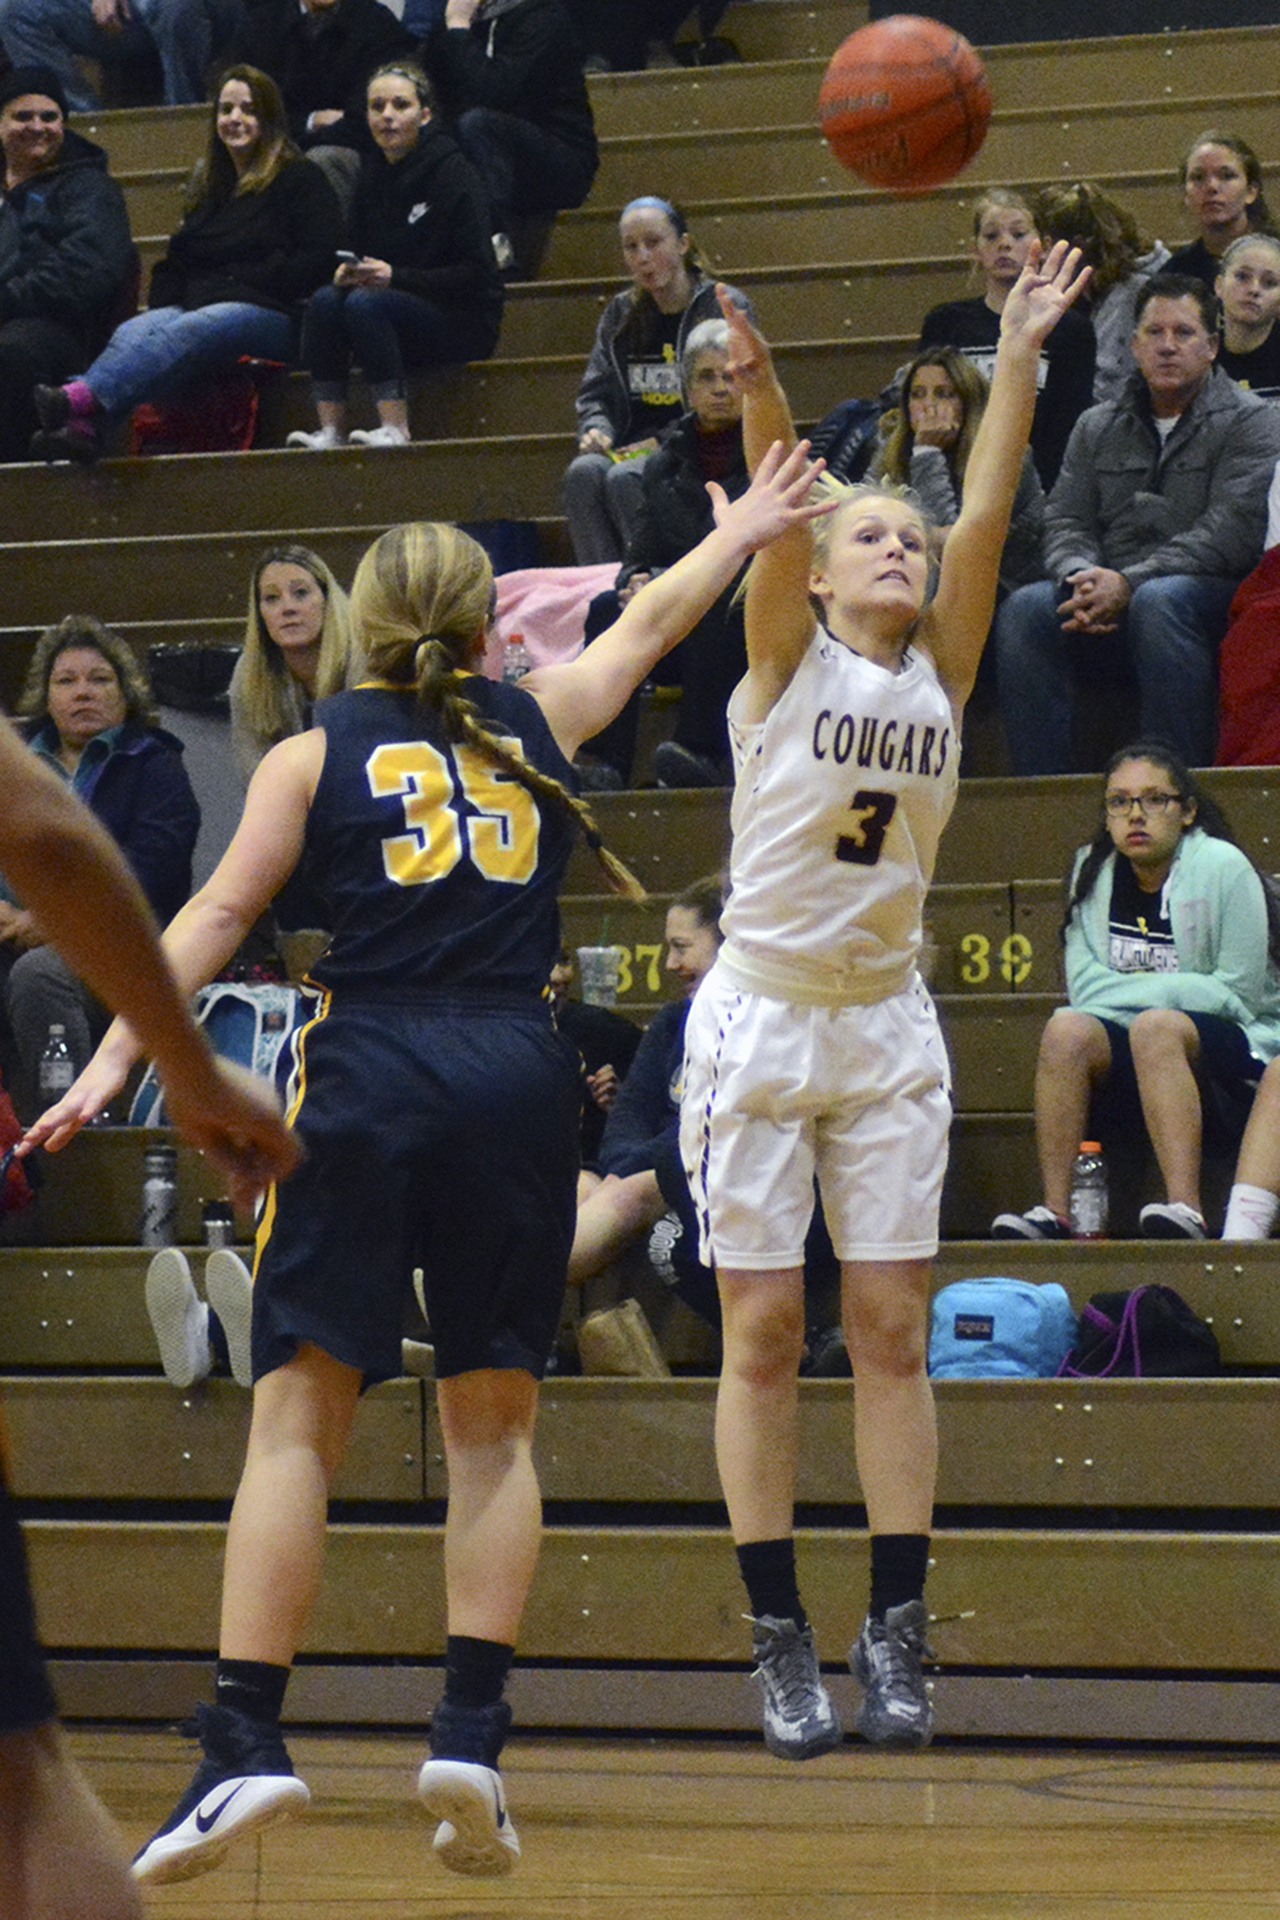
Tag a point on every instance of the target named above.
point(523, 168)
point(157, 354)
point(381, 329)
point(187, 34)
point(1169, 636)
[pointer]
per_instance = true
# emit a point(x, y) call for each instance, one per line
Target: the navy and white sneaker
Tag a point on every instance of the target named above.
point(244, 1784)
point(887, 1662)
point(179, 1319)
point(475, 1835)
point(1037, 1223)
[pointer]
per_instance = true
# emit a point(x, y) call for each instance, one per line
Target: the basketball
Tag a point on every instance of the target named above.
point(905, 103)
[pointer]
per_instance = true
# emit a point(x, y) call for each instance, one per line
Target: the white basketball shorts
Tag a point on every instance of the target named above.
point(775, 1092)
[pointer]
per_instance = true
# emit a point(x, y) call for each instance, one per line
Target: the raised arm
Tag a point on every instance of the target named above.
point(581, 697)
point(779, 616)
point(94, 912)
point(954, 627)
point(202, 937)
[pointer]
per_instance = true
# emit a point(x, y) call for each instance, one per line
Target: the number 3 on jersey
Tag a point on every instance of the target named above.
point(500, 838)
point(870, 814)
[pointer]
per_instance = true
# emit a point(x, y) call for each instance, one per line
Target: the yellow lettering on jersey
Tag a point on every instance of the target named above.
point(417, 773)
point(501, 838)
point(504, 839)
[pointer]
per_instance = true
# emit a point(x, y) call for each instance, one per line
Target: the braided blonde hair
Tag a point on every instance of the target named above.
point(422, 601)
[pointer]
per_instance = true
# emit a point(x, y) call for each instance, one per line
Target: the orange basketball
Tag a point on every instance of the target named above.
point(905, 103)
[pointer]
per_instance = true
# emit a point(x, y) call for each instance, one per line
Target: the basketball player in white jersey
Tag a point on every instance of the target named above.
point(812, 1044)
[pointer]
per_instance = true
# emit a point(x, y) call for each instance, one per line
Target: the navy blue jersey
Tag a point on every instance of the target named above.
point(442, 871)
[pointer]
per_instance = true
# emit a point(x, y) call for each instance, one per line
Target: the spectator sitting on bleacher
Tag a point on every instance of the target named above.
point(298, 648)
point(675, 513)
point(630, 392)
point(1172, 941)
point(1156, 517)
point(91, 719)
point(509, 72)
point(1108, 238)
point(623, 39)
point(260, 234)
point(607, 1043)
point(926, 444)
point(320, 53)
point(643, 1186)
point(1004, 231)
point(1248, 287)
point(1222, 187)
point(187, 35)
point(425, 289)
point(67, 262)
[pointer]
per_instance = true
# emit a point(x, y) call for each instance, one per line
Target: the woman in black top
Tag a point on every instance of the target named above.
point(1004, 230)
point(1248, 287)
point(1222, 188)
point(260, 233)
point(425, 287)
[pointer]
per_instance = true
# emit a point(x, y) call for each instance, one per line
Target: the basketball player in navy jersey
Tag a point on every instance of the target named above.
point(813, 1044)
point(59, 1858)
point(439, 1111)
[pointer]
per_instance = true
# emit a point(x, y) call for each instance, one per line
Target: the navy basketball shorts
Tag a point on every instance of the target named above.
point(440, 1136)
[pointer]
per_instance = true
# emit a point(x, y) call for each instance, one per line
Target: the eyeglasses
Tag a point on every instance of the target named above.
point(1118, 804)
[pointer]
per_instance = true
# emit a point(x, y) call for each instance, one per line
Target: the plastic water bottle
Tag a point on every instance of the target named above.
point(1089, 1193)
point(516, 662)
point(219, 1224)
point(159, 1197)
point(57, 1068)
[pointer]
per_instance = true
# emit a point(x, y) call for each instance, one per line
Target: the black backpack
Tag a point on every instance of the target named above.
point(1149, 1333)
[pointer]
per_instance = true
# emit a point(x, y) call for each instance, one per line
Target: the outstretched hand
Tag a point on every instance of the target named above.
point(750, 361)
point(780, 497)
point(1042, 293)
point(227, 1113)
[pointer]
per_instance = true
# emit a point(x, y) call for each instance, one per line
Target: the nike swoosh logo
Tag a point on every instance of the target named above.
point(206, 1820)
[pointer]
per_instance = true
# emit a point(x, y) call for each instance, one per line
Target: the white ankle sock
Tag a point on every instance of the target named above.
point(1251, 1213)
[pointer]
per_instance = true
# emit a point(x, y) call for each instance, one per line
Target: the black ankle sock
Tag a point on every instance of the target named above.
point(475, 1670)
point(252, 1687)
point(899, 1563)
point(768, 1569)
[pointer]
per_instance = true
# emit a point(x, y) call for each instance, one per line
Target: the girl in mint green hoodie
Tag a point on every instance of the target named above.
point(1172, 941)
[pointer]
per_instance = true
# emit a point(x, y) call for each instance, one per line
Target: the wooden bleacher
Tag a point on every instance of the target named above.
point(1112, 1547)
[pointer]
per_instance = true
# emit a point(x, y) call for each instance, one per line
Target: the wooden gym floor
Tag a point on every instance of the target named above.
point(715, 1830)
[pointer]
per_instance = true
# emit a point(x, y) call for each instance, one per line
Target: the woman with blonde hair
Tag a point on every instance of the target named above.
point(1109, 241)
point(928, 438)
point(298, 648)
point(813, 1046)
point(1004, 232)
point(437, 807)
point(261, 229)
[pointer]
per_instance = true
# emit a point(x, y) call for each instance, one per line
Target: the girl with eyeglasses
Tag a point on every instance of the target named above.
point(1172, 944)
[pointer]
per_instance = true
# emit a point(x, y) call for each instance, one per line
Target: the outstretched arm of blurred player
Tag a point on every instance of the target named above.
point(91, 908)
point(583, 695)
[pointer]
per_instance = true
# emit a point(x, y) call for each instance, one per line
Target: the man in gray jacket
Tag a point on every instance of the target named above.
point(1157, 515)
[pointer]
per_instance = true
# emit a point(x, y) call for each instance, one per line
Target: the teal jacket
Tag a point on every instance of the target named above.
point(1218, 913)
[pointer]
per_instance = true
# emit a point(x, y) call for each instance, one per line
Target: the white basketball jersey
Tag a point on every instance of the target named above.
point(841, 797)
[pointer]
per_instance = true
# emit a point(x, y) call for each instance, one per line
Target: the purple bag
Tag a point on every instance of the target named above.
point(1148, 1333)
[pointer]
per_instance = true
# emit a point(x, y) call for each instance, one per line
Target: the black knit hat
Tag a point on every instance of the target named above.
point(22, 80)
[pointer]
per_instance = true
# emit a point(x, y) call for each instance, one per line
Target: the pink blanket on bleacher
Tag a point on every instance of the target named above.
point(547, 607)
